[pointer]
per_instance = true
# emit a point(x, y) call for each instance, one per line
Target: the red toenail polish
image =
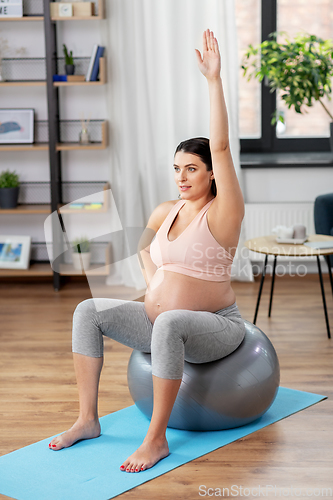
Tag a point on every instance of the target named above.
point(136, 470)
point(54, 445)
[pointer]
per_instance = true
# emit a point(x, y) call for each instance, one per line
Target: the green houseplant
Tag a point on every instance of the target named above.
point(69, 61)
point(9, 189)
point(81, 253)
point(302, 68)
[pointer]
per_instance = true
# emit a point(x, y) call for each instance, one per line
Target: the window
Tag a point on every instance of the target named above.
point(256, 19)
point(248, 15)
point(315, 18)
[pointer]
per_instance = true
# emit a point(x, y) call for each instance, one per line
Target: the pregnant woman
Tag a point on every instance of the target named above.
point(190, 309)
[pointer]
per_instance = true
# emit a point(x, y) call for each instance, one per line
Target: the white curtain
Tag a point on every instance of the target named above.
point(157, 97)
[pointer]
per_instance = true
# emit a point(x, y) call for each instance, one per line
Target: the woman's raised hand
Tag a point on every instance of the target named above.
point(210, 62)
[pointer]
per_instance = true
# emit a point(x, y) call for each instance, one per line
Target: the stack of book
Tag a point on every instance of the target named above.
point(85, 206)
point(93, 68)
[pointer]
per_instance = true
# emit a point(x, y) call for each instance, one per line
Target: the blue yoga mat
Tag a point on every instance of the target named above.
point(90, 469)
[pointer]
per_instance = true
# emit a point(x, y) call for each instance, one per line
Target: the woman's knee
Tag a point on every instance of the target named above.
point(169, 326)
point(86, 335)
point(86, 307)
point(84, 313)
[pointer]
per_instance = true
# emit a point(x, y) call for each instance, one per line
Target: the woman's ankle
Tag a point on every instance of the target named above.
point(85, 418)
point(156, 439)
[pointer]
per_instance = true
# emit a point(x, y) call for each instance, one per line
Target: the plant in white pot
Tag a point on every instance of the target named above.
point(81, 254)
point(9, 189)
point(301, 68)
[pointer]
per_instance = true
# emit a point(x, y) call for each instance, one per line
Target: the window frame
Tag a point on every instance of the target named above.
point(269, 142)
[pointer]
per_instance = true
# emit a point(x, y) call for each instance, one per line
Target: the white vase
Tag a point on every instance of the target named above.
point(81, 261)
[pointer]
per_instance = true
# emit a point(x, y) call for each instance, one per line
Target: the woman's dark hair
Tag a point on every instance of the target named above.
point(199, 146)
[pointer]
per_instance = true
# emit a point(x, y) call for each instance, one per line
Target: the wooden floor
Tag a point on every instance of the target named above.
point(38, 396)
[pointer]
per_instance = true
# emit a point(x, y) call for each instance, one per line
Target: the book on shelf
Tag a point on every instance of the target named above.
point(91, 62)
point(85, 206)
point(93, 70)
point(60, 78)
point(76, 78)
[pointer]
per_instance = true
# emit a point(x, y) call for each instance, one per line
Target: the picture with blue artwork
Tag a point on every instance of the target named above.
point(10, 252)
point(15, 251)
point(16, 126)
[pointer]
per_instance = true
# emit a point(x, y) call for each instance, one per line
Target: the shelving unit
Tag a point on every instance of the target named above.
point(24, 18)
point(94, 269)
point(55, 145)
point(105, 205)
point(69, 146)
point(22, 84)
point(101, 81)
point(100, 15)
point(27, 209)
point(24, 147)
point(35, 269)
point(42, 83)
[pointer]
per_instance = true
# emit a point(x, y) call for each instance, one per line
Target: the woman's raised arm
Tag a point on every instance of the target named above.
point(229, 195)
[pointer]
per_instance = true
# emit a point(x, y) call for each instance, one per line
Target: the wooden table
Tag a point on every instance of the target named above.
point(268, 245)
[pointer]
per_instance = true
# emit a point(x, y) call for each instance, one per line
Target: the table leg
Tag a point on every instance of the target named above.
point(323, 296)
point(260, 289)
point(272, 287)
point(327, 257)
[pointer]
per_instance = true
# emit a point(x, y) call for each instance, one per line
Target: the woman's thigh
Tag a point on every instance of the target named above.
point(194, 336)
point(213, 335)
point(210, 336)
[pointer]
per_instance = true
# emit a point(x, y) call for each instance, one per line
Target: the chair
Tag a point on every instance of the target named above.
point(323, 218)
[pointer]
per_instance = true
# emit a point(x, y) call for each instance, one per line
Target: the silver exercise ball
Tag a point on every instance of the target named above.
point(230, 392)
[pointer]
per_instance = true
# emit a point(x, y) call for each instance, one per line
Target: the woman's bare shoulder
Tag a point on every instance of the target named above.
point(160, 213)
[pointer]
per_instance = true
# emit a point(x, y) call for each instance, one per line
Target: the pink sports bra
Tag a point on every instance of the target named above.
point(195, 252)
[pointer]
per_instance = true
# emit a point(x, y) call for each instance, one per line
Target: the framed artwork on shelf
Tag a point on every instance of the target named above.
point(15, 252)
point(16, 126)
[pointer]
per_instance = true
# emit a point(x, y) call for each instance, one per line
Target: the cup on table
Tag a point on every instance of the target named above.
point(299, 231)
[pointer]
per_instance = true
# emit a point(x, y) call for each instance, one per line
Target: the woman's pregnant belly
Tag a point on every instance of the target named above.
point(168, 290)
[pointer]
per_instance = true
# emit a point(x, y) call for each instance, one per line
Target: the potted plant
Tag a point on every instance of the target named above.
point(69, 61)
point(302, 68)
point(81, 253)
point(9, 189)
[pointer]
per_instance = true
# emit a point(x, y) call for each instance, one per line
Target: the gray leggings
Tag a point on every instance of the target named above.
point(196, 336)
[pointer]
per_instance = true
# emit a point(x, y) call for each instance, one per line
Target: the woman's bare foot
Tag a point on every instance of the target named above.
point(147, 455)
point(82, 429)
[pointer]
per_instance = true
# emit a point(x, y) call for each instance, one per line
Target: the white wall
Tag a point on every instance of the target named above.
point(274, 185)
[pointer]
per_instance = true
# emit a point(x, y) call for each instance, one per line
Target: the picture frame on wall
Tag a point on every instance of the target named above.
point(16, 126)
point(15, 252)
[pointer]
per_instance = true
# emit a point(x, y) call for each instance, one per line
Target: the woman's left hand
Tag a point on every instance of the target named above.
point(210, 62)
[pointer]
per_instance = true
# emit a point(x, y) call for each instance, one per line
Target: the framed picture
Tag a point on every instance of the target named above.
point(16, 126)
point(15, 252)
